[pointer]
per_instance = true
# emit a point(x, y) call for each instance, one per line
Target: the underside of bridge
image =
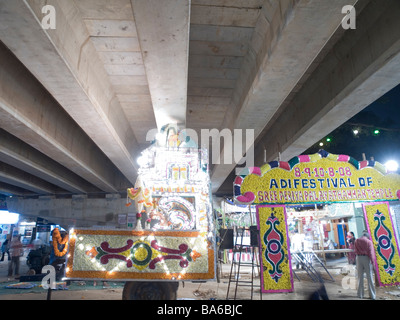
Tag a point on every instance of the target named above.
point(82, 82)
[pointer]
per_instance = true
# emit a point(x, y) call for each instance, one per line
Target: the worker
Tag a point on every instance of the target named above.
point(365, 257)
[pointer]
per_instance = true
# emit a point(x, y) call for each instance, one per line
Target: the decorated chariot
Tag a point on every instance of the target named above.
point(172, 236)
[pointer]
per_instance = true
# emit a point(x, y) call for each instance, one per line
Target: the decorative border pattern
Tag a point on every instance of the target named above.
point(312, 158)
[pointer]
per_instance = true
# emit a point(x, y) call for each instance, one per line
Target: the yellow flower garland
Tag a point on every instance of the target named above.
point(57, 239)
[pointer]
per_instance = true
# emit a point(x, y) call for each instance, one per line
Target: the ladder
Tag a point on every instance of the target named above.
point(237, 263)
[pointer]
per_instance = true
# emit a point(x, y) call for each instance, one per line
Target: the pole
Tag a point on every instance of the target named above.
point(321, 240)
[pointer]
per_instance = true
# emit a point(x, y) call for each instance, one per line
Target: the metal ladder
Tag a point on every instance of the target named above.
point(234, 276)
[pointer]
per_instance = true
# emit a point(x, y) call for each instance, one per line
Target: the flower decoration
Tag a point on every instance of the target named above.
point(139, 220)
point(383, 237)
point(194, 255)
point(133, 193)
point(148, 223)
point(58, 240)
point(140, 255)
point(322, 178)
point(276, 266)
point(92, 253)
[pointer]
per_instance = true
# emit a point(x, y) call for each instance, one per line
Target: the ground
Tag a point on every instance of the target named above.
point(342, 288)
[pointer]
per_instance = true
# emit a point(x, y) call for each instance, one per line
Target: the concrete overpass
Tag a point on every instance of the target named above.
point(82, 82)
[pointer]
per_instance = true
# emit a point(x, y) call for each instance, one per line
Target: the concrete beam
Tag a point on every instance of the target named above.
point(22, 156)
point(28, 112)
point(361, 67)
point(163, 31)
point(9, 190)
point(21, 179)
point(67, 64)
point(276, 60)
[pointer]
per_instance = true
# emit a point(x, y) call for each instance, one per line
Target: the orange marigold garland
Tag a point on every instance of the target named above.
point(57, 239)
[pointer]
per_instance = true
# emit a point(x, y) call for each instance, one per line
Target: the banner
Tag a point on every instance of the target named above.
point(318, 178)
point(380, 226)
point(276, 268)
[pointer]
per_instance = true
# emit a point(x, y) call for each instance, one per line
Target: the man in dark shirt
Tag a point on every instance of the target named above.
point(364, 250)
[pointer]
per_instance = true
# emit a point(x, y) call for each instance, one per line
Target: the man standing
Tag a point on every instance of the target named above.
point(16, 251)
point(297, 246)
point(364, 250)
point(6, 249)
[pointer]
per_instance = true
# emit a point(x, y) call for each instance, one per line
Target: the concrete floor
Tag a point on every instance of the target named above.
point(340, 289)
